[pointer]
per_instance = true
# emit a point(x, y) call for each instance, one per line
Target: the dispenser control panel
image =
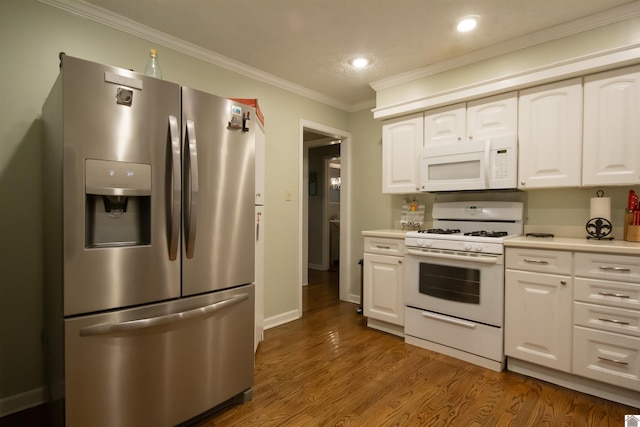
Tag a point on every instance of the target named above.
point(117, 178)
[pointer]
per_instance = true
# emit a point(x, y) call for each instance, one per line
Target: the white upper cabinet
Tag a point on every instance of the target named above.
point(550, 135)
point(446, 125)
point(493, 116)
point(477, 120)
point(402, 141)
point(611, 148)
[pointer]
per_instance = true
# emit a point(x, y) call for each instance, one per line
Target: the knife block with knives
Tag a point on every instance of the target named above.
point(632, 219)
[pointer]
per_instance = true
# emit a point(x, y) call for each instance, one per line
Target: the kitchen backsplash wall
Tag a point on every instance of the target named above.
point(562, 212)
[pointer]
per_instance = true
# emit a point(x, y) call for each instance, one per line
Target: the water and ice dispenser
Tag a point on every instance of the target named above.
point(118, 203)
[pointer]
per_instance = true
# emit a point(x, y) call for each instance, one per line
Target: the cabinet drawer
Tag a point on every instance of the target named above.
point(612, 319)
point(475, 338)
point(608, 267)
point(385, 246)
point(607, 357)
point(554, 262)
point(605, 292)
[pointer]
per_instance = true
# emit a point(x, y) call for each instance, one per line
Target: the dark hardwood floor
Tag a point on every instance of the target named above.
point(329, 369)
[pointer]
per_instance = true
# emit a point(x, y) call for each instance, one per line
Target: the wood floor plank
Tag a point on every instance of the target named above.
point(329, 369)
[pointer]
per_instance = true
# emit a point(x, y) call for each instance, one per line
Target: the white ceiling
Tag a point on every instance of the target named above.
point(307, 43)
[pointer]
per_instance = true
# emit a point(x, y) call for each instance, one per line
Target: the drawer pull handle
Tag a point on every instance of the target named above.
point(619, 362)
point(619, 322)
point(383, 247)
point(535, 261)
point(610, 294)
point(618, 269)
point(449, 320)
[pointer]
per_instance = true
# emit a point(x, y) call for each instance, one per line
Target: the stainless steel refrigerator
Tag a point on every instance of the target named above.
point(149, 248)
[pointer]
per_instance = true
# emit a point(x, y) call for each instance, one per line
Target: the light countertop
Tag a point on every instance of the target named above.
point(390, 233)
point(575, 244)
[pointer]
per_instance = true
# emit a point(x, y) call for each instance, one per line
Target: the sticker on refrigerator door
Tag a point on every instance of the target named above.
point(236, 117)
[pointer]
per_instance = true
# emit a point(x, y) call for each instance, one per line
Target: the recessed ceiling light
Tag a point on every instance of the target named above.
point(467, 23)
point(359, 63)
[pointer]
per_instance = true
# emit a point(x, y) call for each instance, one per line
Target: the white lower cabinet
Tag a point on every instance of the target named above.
point(608, 357)
point(606, 335)
point(383, 286)
point(573, 318)
point(538, 321)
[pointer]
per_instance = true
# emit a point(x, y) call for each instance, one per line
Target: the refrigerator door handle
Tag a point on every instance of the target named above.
point(134, 325)
point(174, 220)
point(191, 189)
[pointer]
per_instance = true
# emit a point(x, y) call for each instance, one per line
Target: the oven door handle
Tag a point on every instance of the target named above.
point(457, 322)
point(485, 260)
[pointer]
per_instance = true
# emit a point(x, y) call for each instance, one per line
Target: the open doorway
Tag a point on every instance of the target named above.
point(315, 136)
point(323, 208)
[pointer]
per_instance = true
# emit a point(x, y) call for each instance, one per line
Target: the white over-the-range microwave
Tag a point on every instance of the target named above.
point(489, 164)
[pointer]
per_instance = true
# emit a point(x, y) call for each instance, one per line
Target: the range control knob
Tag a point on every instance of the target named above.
point(423, 243)
point(467, 246)
point(478, 247)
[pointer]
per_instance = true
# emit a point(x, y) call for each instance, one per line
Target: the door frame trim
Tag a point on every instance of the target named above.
point(345, 206)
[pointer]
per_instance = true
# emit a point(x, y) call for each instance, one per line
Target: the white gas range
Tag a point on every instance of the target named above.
point(454, 280)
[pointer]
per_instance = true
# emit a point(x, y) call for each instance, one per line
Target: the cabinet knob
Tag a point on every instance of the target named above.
point(522, 183)
point(470, 136)
point(563, 282)
point(399, 261)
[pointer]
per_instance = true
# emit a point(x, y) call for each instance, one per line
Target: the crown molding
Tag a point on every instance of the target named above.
point(89, 11)
point(573, 67)
point(617, 14)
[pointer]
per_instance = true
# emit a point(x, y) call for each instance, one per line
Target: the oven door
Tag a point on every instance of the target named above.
point(465, 285)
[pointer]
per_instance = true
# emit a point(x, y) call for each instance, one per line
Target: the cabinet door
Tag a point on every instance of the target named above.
point(538, 320)
point(491, 117)
point(402, 141)
point(611, 153)
point(550, 135)
point(384, 288)
point(446, 125)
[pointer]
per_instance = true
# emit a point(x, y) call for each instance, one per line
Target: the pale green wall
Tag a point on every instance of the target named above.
point(370, 209)
point(31, 36)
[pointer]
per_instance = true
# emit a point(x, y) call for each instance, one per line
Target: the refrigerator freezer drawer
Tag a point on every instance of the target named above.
point(159, 365)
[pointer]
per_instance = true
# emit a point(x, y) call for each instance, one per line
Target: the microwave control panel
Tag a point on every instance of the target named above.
point(501, 165)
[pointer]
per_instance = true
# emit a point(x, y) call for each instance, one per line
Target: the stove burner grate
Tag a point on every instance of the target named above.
point(441, 231)
point(483, 233)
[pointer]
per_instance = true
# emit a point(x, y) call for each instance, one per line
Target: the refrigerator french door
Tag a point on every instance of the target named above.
point(149, 248)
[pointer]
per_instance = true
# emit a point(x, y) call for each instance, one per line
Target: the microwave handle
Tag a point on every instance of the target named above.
point(487, 164)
